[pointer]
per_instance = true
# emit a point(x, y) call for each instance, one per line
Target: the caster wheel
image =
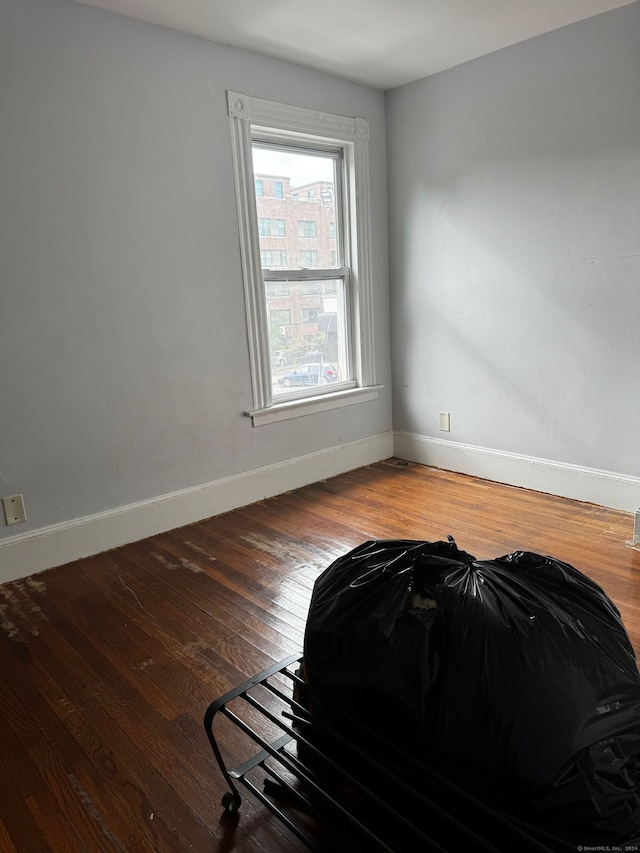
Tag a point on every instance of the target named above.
point(231, 802)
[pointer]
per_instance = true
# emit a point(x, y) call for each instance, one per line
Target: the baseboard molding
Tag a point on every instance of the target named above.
point(41, 549)
point(605, 488)
point(32, 552)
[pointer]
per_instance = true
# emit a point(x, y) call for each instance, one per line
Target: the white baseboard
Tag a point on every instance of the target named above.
point(41, 549)
point(605, 488)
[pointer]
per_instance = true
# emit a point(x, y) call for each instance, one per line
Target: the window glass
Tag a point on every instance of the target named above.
point(311, 332)
point(308, 228)
point(277, 288)
point(273, 259)
point(308, 258)
point(305, 217)
point(307, 319)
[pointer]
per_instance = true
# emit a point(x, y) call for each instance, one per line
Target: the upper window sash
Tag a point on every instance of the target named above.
point(247, 114)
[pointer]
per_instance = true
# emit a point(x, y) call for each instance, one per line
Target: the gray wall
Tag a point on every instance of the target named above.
point(514, 214)
point(124, 365)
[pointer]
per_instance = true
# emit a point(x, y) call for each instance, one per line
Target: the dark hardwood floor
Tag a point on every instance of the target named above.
point(109, 663)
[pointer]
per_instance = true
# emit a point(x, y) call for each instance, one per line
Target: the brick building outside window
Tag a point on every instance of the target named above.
point(298, 223)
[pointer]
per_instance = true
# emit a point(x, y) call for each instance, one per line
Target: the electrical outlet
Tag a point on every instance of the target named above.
point(14, 510)
point(444, 421)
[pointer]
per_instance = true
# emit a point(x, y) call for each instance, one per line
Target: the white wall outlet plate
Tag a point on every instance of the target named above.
point(14, 509)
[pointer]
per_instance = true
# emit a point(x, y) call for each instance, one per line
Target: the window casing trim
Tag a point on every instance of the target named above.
point(248, 115)
point(313, 405)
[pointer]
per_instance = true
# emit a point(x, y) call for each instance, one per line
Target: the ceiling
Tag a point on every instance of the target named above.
point(382, 43)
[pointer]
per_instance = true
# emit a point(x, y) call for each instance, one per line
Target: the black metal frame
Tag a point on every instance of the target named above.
point(340, 796)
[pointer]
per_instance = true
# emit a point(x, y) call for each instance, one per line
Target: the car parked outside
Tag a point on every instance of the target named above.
point(278, 358)
point(309, 374)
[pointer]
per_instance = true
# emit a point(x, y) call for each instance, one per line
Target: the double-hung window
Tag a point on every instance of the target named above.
point(308, 290)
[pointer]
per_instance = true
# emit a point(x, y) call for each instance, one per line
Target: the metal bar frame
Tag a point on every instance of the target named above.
point(315, 796)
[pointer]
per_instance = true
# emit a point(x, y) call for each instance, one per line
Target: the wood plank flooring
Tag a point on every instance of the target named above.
point(109, 663)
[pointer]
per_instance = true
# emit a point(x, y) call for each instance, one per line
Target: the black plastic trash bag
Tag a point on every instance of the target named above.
point(514, 678)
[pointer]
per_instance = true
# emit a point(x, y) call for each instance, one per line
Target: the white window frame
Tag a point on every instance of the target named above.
point(351, 135)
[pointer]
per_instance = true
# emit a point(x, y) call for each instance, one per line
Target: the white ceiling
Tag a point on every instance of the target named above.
point(383, 43)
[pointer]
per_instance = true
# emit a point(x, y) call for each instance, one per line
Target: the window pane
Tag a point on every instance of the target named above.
point(277, 288)
point(307, 335)
point(299, 202)
point(273, 258)
point(308, 228)
point(271, 227)
point(308, 258)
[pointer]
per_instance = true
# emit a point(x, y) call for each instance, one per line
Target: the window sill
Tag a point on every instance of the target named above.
point(313, 405)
